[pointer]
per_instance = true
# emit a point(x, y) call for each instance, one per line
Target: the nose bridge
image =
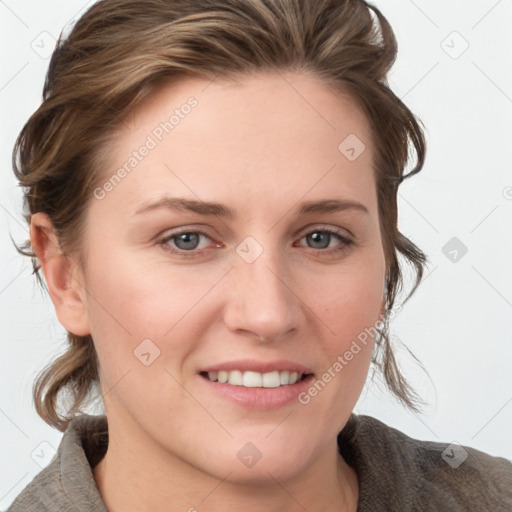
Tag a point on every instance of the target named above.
point(262, 300)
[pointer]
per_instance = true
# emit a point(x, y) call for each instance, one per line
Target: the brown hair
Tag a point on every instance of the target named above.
point(117, 54)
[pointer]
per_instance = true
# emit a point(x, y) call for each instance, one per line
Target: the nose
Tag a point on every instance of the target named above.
point(263, 299)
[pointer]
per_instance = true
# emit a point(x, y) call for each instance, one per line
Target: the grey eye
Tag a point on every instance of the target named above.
point(186, 241)
point(320, 237)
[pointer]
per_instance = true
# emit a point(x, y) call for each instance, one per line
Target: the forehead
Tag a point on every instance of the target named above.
point(254, 98)
point(285, 132)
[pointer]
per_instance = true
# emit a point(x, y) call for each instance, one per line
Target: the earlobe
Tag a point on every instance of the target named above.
point(61, 275)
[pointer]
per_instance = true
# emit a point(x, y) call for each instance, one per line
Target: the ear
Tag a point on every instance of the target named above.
point(62, 274)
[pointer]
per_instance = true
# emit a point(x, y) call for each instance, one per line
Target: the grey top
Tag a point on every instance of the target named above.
point(395, 472)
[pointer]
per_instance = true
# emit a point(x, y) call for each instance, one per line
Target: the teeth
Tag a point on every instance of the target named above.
point(235, 378)
point(251, 379)
point(271, 380)
point(284, 377)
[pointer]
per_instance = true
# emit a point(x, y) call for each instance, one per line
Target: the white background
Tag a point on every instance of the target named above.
point(458, 323)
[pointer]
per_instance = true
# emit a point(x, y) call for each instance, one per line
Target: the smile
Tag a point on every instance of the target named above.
point(251, 379)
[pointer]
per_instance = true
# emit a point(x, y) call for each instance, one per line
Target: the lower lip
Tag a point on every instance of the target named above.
point(260, 398)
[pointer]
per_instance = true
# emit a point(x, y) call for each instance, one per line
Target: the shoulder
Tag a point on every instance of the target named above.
point(67, 483)
point(31, 499)
point(409, 474)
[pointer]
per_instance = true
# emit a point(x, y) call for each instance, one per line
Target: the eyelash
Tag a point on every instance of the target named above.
point(194, 252)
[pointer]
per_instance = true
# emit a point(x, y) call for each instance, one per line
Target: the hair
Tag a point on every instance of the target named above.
point(120, 51)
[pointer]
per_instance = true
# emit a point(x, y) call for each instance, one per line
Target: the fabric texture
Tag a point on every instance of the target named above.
point(395, 472)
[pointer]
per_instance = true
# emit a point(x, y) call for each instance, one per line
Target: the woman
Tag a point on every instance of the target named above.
point(211, 190)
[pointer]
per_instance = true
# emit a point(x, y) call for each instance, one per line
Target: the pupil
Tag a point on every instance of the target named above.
point(317, 236)
point(187, 238)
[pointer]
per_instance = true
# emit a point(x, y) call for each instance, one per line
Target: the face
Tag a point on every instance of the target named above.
point(263, 285)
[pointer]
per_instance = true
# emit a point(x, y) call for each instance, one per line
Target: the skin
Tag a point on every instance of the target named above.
point(260, 146)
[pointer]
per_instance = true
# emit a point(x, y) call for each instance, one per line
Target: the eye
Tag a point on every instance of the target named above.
point(321, 239)
point(184, 242)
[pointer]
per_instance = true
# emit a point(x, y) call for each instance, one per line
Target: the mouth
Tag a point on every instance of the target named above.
point(253, 379)
point(257, 384)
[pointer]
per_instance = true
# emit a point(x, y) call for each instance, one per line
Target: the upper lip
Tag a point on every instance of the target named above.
point(245, 365)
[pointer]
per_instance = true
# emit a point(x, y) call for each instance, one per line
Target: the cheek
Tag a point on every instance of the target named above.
point(133, 296)
point(349, 304)
point(133, 311)
point(350, 301)
point(132, 299)
point(125, 306)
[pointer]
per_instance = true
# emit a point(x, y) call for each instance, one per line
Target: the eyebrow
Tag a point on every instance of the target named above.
point(221, 210)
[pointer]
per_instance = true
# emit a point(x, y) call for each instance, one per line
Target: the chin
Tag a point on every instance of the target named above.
point(262, 474)
point(258, 463)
